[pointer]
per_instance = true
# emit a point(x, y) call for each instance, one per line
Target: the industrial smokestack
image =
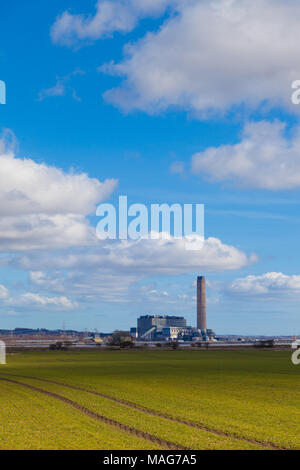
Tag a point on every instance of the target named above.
point(201, 304)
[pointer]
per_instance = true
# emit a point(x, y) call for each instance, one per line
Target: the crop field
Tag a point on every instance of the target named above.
point(110, 400)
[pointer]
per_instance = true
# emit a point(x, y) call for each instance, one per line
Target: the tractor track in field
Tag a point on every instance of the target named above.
point(123, 427)
point(129, 404)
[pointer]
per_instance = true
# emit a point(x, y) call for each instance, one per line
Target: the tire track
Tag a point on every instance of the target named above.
point(129, 404)
point(36, 420)
point(98, 417)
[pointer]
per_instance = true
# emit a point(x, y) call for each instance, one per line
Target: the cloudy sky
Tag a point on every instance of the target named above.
point(165, 101)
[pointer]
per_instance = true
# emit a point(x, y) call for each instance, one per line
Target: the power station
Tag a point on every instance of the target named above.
point(171, 328)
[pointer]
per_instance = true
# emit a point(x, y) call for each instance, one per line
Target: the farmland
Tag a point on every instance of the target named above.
point(150, 400)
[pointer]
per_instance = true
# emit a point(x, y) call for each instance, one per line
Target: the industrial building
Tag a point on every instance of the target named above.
point(171, 328)
point(151, 326)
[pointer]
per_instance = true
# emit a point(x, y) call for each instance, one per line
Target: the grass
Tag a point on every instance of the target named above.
point(247, 399)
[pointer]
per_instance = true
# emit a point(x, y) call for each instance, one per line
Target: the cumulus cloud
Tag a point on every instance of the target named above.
point(43, 231)
point(35, 300)
point(111, 16)
point(27, 187)
point(43, 222)
point(269, 285)
point(88, 285)
point(264, 158)
point(211, 56)
point(43, 206)
point(56, 302)
point(112, 271)
point(143, 257)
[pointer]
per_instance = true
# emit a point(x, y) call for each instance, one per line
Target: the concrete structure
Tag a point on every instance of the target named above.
point(201, 304)
point(175, 333)
point(134, 332)
point(151, 326)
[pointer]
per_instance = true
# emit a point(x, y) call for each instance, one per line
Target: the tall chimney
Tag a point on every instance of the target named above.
point(201, 304)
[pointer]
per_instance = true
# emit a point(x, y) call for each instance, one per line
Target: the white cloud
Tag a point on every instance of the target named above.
point(4, 293)
point(211, 56)
point(112, 271)
point(43, 231)
point(89, 285)
point(269, 284)
point(111, 16)
point(27, 187)
point(42, 206)
point(56, 302)
point(148, 294)
point(43, 212)
point(264, 158)
point(61, 88)
point(35, 300)
point(142, 258)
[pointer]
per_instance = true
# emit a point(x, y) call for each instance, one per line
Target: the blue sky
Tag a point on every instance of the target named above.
point(183, 94)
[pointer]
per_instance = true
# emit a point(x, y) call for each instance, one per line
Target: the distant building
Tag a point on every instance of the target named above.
point(134, 332)
point(171, 332)
point(170, 328)
point(151, 326)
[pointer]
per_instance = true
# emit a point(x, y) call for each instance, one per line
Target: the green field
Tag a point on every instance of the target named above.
point(150, 400)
